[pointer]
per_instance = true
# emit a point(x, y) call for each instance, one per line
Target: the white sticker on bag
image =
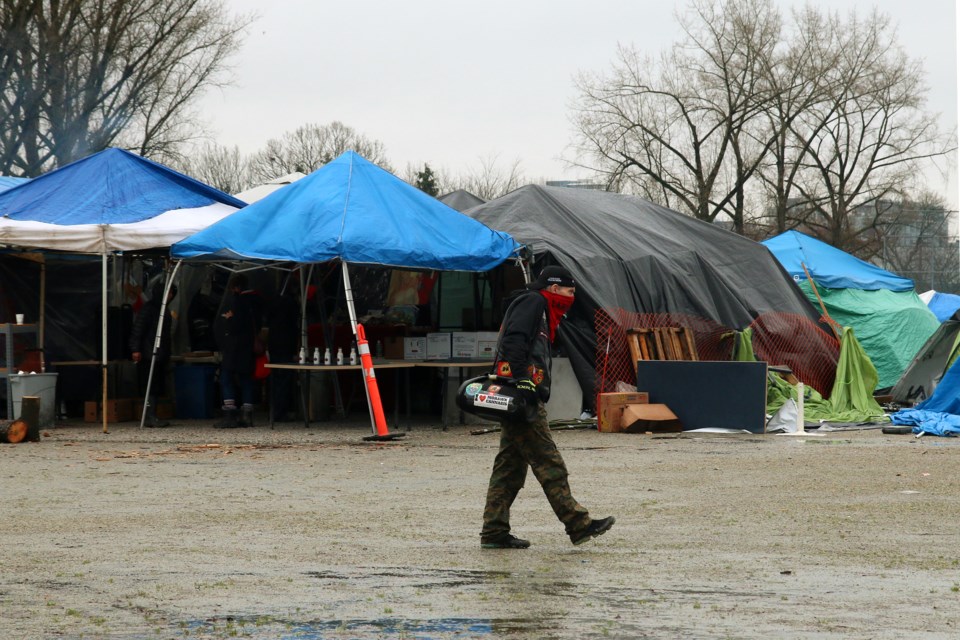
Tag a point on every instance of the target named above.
point(492, 401)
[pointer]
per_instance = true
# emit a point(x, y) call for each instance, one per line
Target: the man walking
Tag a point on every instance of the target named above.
point(523, 353)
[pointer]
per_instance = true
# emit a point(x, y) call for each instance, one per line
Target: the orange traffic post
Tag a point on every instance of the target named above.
point(373, 391)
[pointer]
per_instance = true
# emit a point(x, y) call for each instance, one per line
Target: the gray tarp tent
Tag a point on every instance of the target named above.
point(461, 200)
point(929, 365)
point(627, 252)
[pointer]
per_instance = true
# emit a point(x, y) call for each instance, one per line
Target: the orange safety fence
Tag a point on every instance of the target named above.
point(799, 343)
point(778, 339)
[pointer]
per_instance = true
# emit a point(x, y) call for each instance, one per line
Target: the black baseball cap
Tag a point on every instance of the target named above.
point(553, 274)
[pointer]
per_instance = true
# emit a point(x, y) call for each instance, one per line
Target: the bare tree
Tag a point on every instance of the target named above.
point(680, 130)
point(22, 84)
point(311, 146)
point(81, 75)
point(802, 76)
point(823, 122)
point(490, 180)
point(487, 180)
point(222, 167)
point(872, 134)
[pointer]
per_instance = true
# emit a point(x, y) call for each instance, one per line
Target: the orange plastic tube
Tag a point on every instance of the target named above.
point(373, 392)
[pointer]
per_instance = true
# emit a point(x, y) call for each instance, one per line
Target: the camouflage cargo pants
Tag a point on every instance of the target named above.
point(521, 445)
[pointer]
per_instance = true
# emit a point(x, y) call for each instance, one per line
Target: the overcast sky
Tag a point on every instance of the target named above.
point(448, 83)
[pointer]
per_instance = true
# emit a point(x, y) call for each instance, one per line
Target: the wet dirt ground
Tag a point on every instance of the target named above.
point(195, 532)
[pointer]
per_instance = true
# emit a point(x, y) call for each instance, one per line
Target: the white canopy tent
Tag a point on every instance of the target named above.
point(105, 204)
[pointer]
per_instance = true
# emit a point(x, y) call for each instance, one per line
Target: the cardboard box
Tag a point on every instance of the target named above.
point(610, 408)
point(464, 344)
point(414, 348)
point(649, 418)
point(439, 346)
point(118, 410)
point(392, 348)
point(487, 344)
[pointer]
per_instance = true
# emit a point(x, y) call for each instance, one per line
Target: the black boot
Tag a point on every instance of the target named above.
point(594, 529)
point(247, 420)
point(229, 419)
point(151, 419)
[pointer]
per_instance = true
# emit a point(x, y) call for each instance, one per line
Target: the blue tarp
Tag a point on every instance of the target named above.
point(113, 200)
point(8, 182)
point(110, 187)
point(830, 267)
point(944, 305)
point(351, 209)
point(940, 413)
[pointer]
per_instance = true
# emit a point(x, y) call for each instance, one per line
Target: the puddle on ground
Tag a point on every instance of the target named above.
point(550, 622)
point(271, 627)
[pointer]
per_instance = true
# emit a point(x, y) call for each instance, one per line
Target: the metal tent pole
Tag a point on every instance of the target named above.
point(156, 340)
point(348, 292)
point(103, 360)
point(378, 421)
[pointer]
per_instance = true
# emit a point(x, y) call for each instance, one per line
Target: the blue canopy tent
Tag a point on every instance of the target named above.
point(107, 203)
point(353, 211)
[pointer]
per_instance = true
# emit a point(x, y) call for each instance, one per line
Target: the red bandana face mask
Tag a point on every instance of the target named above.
point(557, 305)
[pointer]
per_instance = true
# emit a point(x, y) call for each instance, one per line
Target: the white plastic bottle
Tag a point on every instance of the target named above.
point(303, 355)
point(353, 355)
point(339, 356)
point(316, 355)
point(326, 356)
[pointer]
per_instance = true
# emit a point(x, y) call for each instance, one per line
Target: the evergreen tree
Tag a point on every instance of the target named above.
point(427, 182)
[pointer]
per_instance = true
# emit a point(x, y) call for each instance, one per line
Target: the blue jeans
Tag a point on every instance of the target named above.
point(231, 382)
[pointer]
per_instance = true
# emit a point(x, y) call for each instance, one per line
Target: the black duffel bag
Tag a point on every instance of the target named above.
point(495, 398)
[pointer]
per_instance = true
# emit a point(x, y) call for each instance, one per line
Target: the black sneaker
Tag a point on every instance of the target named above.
point(505, 542)
point(596, 528)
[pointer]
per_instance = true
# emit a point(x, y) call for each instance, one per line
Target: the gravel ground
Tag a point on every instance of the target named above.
point(195, 532)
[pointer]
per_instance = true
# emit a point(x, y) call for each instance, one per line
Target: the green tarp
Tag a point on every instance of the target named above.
point(851, 399)
point(891, 326)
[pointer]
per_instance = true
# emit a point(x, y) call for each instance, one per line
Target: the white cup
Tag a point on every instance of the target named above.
point(19, 318)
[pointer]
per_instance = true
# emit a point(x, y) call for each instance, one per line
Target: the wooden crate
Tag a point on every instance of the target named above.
point(118, 410)
point(661, 343)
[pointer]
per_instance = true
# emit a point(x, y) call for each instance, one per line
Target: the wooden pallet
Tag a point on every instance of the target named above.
point(661, 343)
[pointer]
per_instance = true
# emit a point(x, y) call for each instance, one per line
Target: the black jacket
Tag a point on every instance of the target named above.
point(523, 350)
point(235, 335)
point(144, 331)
